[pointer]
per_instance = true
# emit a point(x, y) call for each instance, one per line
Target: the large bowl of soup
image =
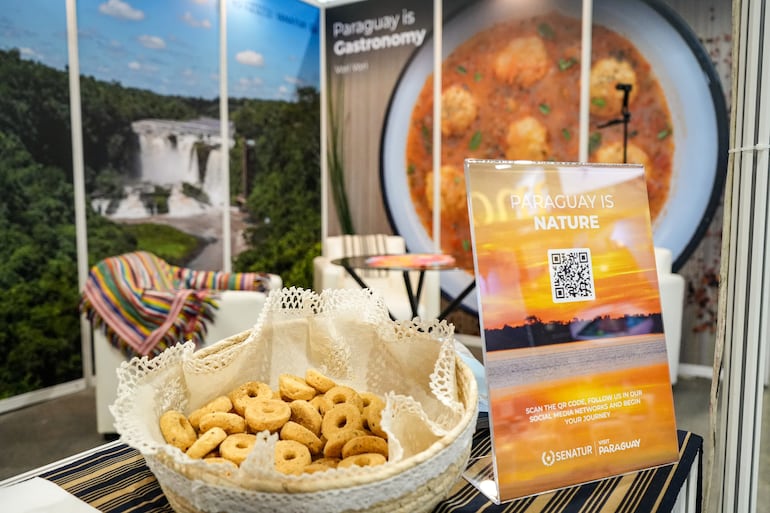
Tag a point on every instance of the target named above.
point(511, 90)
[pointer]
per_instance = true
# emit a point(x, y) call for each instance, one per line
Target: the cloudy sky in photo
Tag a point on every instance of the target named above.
point(172, 46)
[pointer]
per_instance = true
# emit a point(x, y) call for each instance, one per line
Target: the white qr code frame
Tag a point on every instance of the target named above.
point(576, 261)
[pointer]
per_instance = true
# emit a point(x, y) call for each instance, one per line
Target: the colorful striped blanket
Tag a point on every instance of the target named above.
point(144, 305)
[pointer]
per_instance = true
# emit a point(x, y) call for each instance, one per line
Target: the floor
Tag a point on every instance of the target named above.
point(46, 432)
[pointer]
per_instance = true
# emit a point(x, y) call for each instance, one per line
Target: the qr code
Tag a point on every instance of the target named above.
point(572, 277)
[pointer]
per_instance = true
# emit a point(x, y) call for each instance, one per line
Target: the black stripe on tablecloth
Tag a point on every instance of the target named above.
point(114, 480)
point(648, 491)
point(117, 480)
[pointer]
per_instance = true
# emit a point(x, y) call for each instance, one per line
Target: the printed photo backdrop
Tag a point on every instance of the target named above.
point(39, 326)
point(149, 85)
point(157, 165)
point(162, 177)
point(367, 46)
point(510, 82)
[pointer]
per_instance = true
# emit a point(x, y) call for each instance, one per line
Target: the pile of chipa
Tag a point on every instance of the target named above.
point(321, 425)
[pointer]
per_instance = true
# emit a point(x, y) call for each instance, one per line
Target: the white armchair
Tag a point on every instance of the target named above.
point(388, 284)
point(672, 304)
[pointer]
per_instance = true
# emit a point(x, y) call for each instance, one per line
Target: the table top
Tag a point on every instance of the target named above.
point(401, 262)
point(114, 478)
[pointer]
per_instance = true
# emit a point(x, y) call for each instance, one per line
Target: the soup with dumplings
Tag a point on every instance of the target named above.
point(512, 92)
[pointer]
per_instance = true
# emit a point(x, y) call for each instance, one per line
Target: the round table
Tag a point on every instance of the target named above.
point(406, 263)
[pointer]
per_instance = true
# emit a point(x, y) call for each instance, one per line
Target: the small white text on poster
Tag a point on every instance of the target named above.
point(584, 409)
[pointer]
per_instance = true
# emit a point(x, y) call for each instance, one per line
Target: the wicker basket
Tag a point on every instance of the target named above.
point(414, 483)
point(424, 498)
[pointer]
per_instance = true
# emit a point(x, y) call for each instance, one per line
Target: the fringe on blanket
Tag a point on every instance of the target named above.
point(144, 305)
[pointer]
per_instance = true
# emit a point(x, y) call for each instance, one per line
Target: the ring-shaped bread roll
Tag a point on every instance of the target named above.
point(344, 394)
point(328, 462)
point(362, 460)
point(370, 398)
point(250, 390)
point(320, 403)
point(177, 430)
point(305, 414)
point(319, 381)
point(293, 387)
point(335, 443)
point(230, 422)
point(291, 456)
point(342, 416)
point(316, 467)
point(365, 444)
point(293, 431)
point(267, 415)
point(221, 403)
point(206, 443)
point(373, 419)
point(237, 447)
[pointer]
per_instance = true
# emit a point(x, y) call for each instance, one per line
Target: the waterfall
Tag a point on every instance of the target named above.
point(165, 158)
point(169, 175)
point(213, 183)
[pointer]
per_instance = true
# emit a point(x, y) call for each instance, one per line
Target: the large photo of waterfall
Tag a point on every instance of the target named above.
point(159, 169)
point(155, 169)
point(180, 157)
point(175, 179)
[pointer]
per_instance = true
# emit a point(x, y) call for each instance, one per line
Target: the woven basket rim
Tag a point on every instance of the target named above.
point(421, 499)
point(468, 396)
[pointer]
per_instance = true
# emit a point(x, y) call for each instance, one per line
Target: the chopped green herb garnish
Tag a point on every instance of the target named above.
point(475, 141)
point(477, 77)
point(565, 64)
point(466, 245)
point(664, 133)
point(410, 169)
point(594, 140)
point(462, 70)
point(633, 133)
point(566, 133)
point(545, 30)
point(426, 138)
point(544, 108)
point(598, 101)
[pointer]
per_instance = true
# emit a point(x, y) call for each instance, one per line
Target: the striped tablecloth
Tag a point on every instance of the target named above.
point(114, 478)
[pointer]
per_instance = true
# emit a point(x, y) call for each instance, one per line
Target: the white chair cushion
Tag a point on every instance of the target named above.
point(238, 311)
point(672, 288)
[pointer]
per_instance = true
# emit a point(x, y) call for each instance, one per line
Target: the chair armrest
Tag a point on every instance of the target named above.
point(276, 282)
point(238, 311)
point(672, 289)
point(326, 275)
point(663, 259)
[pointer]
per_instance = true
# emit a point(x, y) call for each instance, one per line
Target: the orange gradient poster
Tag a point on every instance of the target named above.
point(570, 313)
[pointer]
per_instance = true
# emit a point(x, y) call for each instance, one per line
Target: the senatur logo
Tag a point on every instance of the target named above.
point(550, 457)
